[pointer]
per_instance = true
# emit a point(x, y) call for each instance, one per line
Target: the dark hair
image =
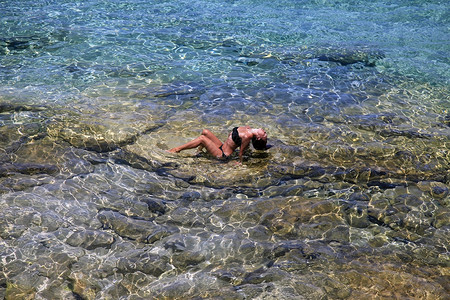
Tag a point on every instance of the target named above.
point(259, 144)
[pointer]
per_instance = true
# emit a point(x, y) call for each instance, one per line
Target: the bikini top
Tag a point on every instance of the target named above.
point(235, 137)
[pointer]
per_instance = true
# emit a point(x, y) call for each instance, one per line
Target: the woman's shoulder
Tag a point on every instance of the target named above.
point(244, 128)
point(246, 133)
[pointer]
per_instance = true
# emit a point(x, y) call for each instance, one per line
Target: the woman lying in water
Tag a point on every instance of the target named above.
point(239, 137)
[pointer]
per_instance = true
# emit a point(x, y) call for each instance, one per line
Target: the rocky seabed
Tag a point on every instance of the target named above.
point(345, 207)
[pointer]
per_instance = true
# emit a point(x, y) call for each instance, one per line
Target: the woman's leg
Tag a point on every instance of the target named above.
point(207, 140)
point(212, 137)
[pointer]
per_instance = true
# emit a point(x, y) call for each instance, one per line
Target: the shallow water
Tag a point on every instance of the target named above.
point(351, 202)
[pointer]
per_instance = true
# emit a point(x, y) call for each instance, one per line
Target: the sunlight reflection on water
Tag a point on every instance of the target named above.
point(350, 202)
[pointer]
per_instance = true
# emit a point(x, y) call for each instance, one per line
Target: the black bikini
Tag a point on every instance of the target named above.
point(223, 153)
point(235, 137)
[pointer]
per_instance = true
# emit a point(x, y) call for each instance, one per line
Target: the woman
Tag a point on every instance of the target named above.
point(238, 137)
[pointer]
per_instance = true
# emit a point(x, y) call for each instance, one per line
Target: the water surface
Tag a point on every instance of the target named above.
point(351, 201)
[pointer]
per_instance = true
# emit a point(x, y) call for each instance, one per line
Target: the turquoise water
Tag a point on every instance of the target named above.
point(74, 45)
point(351, 201)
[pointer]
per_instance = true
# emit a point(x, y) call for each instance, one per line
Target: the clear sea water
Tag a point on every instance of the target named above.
point(351, 201)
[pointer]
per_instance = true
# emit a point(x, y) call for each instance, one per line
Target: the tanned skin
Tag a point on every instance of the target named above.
point(211, 143)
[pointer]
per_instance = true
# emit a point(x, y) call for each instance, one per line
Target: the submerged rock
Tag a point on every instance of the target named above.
point(11, 107)
point(125, 227)
point(441, 219)
point(94, 132)
point(436, 189)
point(27, 168)
point(23, 286)
point(88, 239)
point(20, 43)
point(348, 57)
point(142, 261)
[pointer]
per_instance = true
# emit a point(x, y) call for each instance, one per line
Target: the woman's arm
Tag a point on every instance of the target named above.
point(244, 145)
